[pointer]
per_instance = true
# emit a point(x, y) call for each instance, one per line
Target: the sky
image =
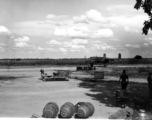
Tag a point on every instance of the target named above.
point(72, 29)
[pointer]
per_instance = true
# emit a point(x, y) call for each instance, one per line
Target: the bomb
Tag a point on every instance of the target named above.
point(91, 107)
point(67, 110)
point(50, 110)
point(85, 110)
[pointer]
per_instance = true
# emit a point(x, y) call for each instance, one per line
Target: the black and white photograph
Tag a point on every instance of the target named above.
point(76, 59)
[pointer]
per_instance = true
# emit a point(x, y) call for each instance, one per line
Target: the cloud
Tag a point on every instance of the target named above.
point(72, 31)
point(133, 46)
point(60, 32)
point(66, 27)
point(50, 49)
point(57, 20)
point(102, 33)
point(114, 39)
point(43, 28)
point(148, 39)
point(80, 19)
point(133, 21)
point(73, 45)
point(33, 28)
point(146, 44)
point(40, 48)
point(90, 16)
point(52, 22)
point(127, 29)
point(126, 15)
point(67, 44)
point(104, 46)
point(63, 50)
point(79, 41)
point(95, 16)
point(83, 32)
point(150, 42)
point(2, 50)
point(56, 17)
point(21, 44)
point(119, 7)
point(108, 25)
point(146, 52)
point(78, 31)
point(22, 39)
point(2, 45)
point(54, 42)
point(50, 16)
point(96, 42)
point(121, 47)
point(78, 47)
point(4, 31)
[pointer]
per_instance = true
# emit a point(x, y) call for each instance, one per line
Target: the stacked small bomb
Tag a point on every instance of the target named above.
point(68, 110)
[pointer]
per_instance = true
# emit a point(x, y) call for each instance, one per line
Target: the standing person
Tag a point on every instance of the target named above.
point(124, 80)
point(149, 79)
point(42, 71)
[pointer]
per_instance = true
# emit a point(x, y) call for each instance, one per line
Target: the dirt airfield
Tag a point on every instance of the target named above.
point(22, 94)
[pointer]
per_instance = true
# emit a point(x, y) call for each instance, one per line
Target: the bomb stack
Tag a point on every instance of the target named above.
point(67, 110)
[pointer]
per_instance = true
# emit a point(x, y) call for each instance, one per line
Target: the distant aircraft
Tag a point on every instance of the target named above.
point(95, 60)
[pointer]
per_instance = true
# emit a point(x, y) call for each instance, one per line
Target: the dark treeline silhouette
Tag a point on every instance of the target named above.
point(69, 61)
point(39, 62)
point(132, 61)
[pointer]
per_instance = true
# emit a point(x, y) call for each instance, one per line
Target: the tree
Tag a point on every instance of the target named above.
point(138, 57)
point(146, 5)
point(105, 62)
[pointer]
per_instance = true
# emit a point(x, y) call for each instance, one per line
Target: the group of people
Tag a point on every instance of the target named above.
point(42, 73)
point(124, 80)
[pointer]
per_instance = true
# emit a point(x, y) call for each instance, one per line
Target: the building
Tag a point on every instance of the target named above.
point(104, 55)
point(119, 56)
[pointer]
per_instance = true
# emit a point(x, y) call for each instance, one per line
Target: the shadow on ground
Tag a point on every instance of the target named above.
point(7, 78)
point(104, 92)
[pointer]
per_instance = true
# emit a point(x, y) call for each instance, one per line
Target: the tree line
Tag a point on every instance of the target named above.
point(74, 62)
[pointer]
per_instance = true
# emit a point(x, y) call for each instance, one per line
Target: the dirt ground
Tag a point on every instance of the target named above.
point(22, 94)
